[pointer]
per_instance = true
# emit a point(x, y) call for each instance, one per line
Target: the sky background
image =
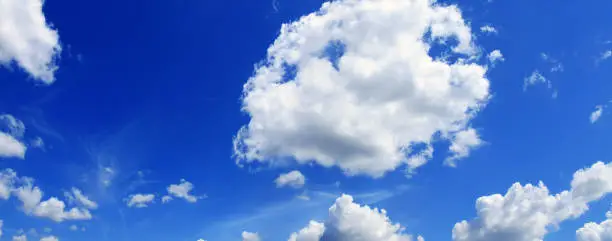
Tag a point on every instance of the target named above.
point(152, 91)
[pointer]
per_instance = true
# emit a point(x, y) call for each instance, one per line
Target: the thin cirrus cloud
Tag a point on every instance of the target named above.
point(527, 213)
point(27, 39)
point(363, 111)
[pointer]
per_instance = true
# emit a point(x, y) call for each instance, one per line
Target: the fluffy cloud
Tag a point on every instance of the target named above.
point(526, 213)
point(27, 39)
point(140, 200)
point(350, 221)
point(31, 198)
point(536, 78)
point(495, 56)
point(294, 179)
point(596, 231)
point(246, 236)
point(11, 147)
point(597, 113)
point(181, 190)
point(462, 144)
point(353, 86)
point(49, 238)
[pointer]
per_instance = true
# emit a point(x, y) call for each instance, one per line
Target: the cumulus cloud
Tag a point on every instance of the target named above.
point(353, 86)
point(181, 190)
point(595, 115)
point(596, 231)
point(348, 220)
point(462, 144)
point(247, 236)
point(31, 199)
point(27, 39)
point(488, 29)
point(495, 56)
point(7, 182)
point(10, 130)
point(527, 213)
point(140, 200)
point(294, 179)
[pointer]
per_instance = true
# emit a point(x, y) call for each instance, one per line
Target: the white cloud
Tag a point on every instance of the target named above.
point(49, 238)
point(495, 56)
point(463, 142)
point(246, 236)
point(313, 232)
point(350, 221)
point(556, 66)
point(7, 182)
point(596, 231)
point(166, 199)
point(536, 78)
point(365, 111)
point(527, 213)
point(140, 200)
point(78, 197)
point(74, 228)
point(14, 126)
point(11, 147)
point(488, 29)
point(294, 179)
point(53, 208)
point(605, 55)
point(181, 190)
point(596, 114)
point(20, 238)
point(1, 224)
point(27, 39)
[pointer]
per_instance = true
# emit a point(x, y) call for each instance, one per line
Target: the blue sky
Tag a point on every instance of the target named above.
point(211, 103)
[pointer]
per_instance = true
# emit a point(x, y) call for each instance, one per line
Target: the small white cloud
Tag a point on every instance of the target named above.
point(12, 125)
point(1, 226)
point(556, 65)
point(605, 55)
point(140, 200)
point(313, 232)
point(294, 179)
point(495, 56)
point(22, 237)
point(464, 142)
point(27, 39)
point(38, 142)
point(182, 190)
point(73, 228)
point(488, 29)
point(595, 115)
point(247, 236)
point(536, 78)
point(7, 182)
point(166, 199)
point(49, 238)
point(78, 197)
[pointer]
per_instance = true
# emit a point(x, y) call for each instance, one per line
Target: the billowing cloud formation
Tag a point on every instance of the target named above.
point(353, 86)
point(596, 231)
point(31, 199)
point(181, 190)
point(294, 179)
point(350, 221)
point(246, 236)
point(140, 200)
point(27, 39)
point(525, 213)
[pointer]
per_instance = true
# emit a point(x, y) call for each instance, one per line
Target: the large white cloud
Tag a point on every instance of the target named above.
point(596, 231)
point(27, 39)
point(369, 109)
point(348, 220)
point(526, 213)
